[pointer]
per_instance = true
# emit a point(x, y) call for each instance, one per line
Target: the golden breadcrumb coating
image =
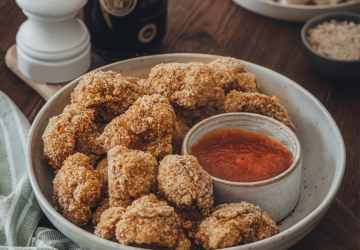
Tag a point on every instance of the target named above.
point(151, 221)
point(110, 93)
point(117, 132)
point(233, 75)
point(95, 218)
point(159, 147)
point(152, 116)
point(190, 217)
point(257, 103)
point(72, 131)
point(113, 202)
point(234, 224)
point(183, 125)
point(187, 85)
point(102, 167)
point(143, 83)
point(132, 173)
point(105, 204)
point(185, 183)
point(77, 189)
point(147, 125)
point(109, 218)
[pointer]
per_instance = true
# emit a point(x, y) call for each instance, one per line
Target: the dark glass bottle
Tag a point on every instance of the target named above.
point(122, 29)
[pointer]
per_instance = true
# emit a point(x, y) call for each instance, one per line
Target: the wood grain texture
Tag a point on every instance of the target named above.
point(335, 232)
point(343, 103)
point(223, 28)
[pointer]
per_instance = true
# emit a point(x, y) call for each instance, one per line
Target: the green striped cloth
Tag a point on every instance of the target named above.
point(19, 209)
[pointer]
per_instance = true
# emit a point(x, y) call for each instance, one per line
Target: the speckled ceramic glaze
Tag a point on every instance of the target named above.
point(322, 145)
point(278, 195)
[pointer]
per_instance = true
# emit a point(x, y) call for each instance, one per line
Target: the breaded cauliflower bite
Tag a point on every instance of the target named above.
point(235, 224)
point(77, 189)
point(187, 85)
point(259, 104)
point(152, 222)
point(72, 131)
point(152, 116)
point(109, 218)
point(183, 181)
point(147, 125)
point(111, 94)
point(118, 133)
point(132, 173)
point(106, 204)
point(233, 75)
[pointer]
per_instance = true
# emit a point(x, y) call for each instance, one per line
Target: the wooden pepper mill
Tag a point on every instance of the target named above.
point(53, 46)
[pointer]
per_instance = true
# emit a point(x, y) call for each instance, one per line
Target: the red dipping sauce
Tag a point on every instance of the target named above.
point(241, 156)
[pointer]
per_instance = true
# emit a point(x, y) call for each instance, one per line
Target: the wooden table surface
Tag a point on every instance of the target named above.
point(223, 28)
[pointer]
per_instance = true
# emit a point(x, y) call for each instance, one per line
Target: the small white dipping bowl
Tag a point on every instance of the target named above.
point(278, 195)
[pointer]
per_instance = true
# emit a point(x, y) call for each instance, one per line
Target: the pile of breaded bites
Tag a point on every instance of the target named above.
point(116, 155)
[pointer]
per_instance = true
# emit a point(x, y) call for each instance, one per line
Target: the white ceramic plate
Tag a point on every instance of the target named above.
point(295, 12)
point(322, 143)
